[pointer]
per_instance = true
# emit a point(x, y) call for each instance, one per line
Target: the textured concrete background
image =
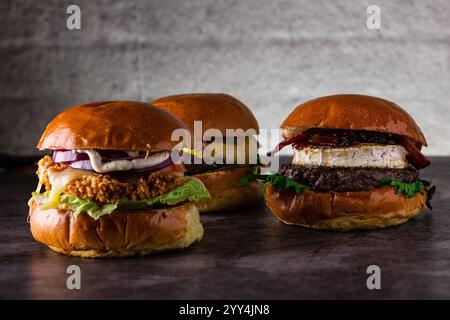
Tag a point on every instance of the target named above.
point(271, 54)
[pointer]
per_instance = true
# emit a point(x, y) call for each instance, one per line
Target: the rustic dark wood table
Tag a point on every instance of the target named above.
point(244, 255)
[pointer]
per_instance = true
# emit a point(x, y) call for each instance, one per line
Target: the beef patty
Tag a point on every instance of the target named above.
point(346, 179)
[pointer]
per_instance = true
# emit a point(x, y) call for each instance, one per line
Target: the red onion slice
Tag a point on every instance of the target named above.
point(82, 164)
point(65, 156)
point(82, 161)
point(86, 165)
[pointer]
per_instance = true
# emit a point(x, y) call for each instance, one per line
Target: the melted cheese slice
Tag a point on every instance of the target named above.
point(243, 152)
point(376, 156)
point(59, 179)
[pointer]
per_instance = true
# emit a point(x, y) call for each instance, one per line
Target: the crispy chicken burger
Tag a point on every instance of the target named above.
point(221, 112)
point(355, 165)
point(110, 189)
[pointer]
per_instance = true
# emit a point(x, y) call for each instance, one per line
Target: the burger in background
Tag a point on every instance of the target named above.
point(356, 165)
point(110, 187)
point(236, 151)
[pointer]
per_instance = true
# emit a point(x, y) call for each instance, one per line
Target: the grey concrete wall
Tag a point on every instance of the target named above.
point(271, 54)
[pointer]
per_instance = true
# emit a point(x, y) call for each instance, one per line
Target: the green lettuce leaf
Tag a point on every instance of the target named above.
point(408, 189)
point(192, 190)
point(275, 180)
point(247, 179)
point(37, 194)
point(92, 208)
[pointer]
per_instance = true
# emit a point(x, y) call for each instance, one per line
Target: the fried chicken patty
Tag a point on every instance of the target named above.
point(106, 189)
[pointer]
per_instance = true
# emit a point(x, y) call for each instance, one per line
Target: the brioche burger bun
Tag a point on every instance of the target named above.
point(221, 112)
point(111, 189)
point(355, 165)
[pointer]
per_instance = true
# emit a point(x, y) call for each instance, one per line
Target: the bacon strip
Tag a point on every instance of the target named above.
point(414, 156)
point(298, 138)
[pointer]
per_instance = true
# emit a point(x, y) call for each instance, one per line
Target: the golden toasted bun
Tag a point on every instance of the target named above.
point(115, 125)
point(118, 234)
point(355, 112)
point(225, 192)
point(215, 110)
point(378, 208)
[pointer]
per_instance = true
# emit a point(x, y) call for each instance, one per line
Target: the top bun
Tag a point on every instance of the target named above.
point(215, 110)
point(355, 112)
point(115, 125)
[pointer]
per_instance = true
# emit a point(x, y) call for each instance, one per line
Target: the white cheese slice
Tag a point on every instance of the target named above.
point(364, 155)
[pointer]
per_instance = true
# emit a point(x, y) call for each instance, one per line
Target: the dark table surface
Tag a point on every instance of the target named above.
point(243, 255)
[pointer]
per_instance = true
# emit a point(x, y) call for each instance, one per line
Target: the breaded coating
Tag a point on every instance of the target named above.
point(99, 188)
point(104, 189)
point(154, 185)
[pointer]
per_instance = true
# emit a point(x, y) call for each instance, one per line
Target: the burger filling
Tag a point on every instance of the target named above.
point(346, 178)
point(101, 185)
point(222, 155)
point(345, 161)
point(356, 168)
point(359, 167)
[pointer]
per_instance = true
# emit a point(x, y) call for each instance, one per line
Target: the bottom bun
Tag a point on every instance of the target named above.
point(225, 192)
point(344, 211)
point(119, 234)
